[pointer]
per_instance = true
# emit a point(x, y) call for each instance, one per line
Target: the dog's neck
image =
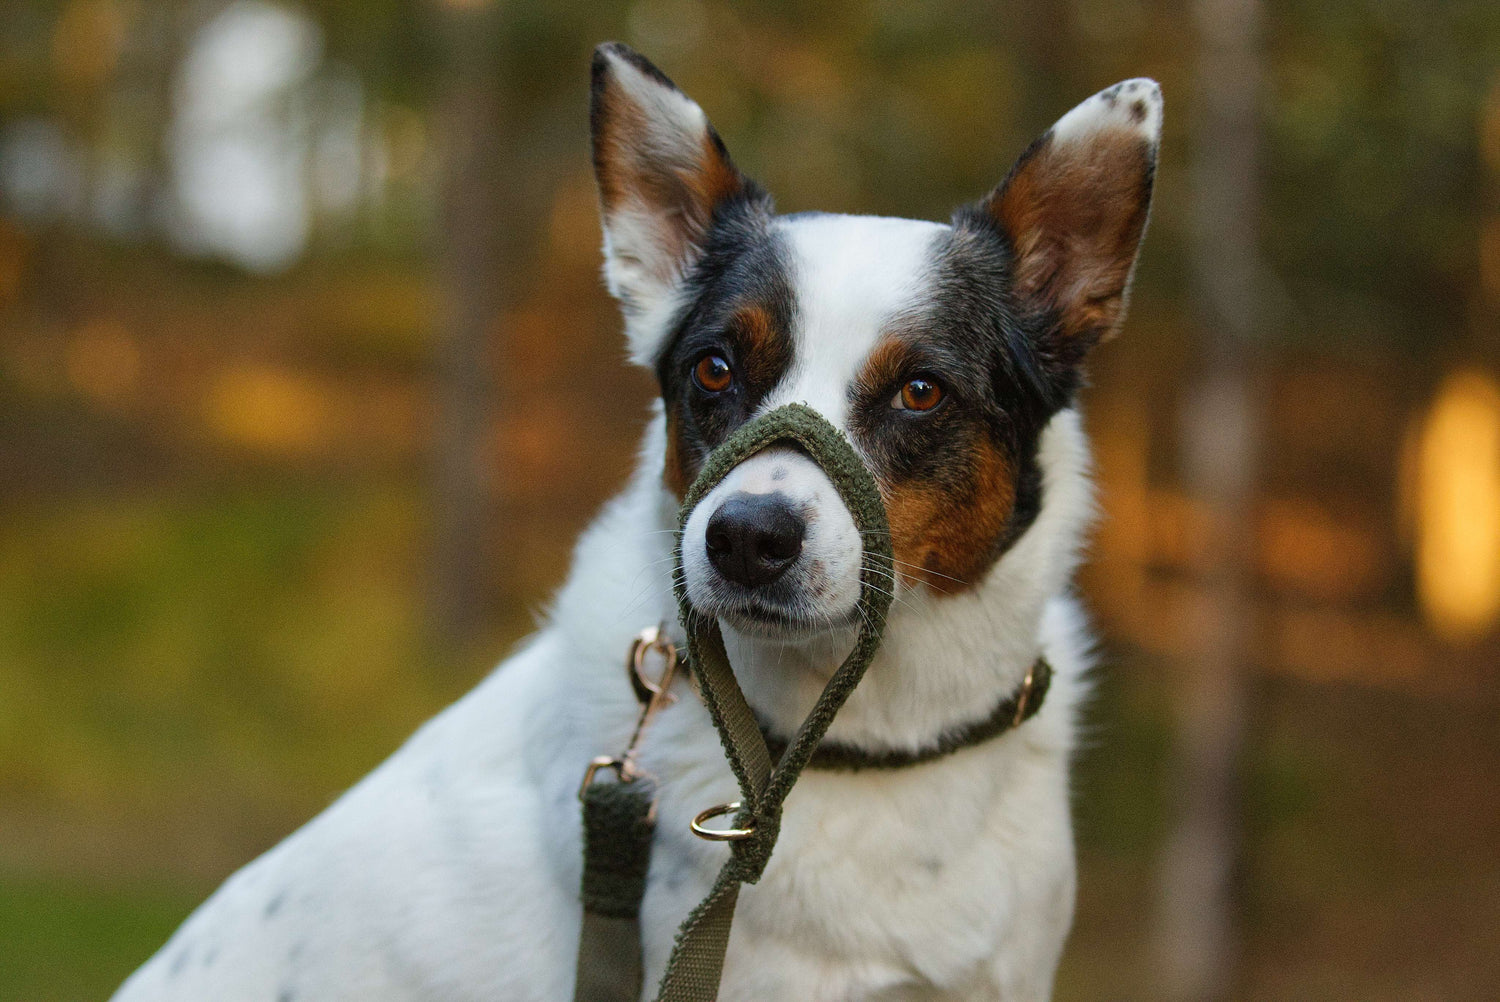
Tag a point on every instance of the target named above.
point(946, 660)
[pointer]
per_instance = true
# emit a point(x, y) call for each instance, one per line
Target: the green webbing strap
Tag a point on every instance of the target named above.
point(617, 830)
point(697, 960)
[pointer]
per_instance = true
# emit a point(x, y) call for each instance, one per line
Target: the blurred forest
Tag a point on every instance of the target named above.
point(308, 381)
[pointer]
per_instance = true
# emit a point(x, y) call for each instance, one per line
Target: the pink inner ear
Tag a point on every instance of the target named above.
point(1075, 213)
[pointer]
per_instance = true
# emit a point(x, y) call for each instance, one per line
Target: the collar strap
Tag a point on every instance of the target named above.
point(1009, 713)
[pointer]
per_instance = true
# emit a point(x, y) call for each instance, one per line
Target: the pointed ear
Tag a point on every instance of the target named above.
point(1074, 209)
point(662, 173)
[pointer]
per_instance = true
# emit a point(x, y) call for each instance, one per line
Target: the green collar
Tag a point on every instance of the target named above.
point(1010, 712)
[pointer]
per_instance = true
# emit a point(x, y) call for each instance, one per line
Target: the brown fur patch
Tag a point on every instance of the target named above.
point(946, 539)
point(764, 351)
point(1075, 213)
point(716, 178)
point(884, 365)
point(945, 528)
point(675, 474)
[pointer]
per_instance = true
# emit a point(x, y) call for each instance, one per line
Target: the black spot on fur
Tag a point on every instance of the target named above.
point(274, 905)
point(1138, 112)
point(741, 273)
point(180, 962)
point(1111, 95)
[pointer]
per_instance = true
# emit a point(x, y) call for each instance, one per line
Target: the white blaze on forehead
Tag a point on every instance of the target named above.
point(850, 276)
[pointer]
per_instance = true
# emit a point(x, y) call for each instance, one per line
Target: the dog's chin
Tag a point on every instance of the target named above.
point(760, 619)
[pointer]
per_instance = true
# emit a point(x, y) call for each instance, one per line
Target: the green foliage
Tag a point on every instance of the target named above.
point(266, 638)
point(1372, 171)
point(66, 941)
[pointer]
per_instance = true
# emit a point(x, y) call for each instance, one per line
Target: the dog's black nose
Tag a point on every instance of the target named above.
point(753, 538)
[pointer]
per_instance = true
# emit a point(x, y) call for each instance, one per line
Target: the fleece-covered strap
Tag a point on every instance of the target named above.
point(697, 960)
point(617, 830)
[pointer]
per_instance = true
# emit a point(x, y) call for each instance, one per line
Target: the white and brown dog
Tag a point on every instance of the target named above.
point(950, 355)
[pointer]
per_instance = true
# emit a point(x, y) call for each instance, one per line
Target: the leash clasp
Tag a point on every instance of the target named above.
point(624, 771)
point(647, 689)
point(653, 694)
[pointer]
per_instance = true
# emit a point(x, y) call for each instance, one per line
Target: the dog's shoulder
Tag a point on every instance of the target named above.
point(402, 884)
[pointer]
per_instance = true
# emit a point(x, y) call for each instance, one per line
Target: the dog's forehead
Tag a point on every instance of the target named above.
point(850, 277)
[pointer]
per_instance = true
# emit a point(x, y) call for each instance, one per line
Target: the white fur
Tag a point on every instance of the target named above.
point(855, 274)
point(451, 872)
point(1111, 109)
point(640, 268)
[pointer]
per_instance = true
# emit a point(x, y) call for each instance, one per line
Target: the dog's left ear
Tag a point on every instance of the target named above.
point(1073, 211)
point(663, 173)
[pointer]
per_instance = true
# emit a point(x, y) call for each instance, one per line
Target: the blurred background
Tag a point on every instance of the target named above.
point(308, 381)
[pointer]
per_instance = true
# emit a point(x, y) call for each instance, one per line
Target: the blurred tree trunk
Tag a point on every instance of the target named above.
point(1042, 31)
point(470, 254)
point(1195, 930)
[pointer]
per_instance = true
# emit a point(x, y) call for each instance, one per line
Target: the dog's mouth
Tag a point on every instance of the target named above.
point(758, 618)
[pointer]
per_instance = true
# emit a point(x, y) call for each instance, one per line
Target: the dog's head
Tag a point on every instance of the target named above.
point(942, 351)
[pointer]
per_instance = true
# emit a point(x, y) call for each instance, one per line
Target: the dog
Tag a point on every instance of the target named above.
point(951, 356)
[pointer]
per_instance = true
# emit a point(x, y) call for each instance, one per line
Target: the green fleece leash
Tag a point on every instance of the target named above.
point(697, 960)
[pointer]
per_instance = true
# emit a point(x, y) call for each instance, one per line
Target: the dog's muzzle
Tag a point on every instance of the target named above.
point(772, 544)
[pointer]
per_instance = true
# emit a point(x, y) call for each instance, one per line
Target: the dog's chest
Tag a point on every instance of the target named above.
point(909, 884)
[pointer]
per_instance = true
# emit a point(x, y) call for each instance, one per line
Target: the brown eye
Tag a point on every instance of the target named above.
point(918, 395)
point(713, 374)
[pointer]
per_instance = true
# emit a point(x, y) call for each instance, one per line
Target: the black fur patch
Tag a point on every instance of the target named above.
point(740, 306)
point(1036, 370)
point(1003, 377)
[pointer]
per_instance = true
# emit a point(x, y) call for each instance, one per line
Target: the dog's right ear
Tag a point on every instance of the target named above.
point(662, 173)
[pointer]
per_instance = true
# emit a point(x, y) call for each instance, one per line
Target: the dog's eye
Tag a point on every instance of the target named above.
point(713, 374)
point(918, 395)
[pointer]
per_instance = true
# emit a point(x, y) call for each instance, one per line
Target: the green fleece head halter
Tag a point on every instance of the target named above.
point(618, 817)
point(697, 959)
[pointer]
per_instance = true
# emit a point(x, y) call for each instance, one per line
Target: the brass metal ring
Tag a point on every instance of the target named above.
point(720, 834)
point(1023, 698)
